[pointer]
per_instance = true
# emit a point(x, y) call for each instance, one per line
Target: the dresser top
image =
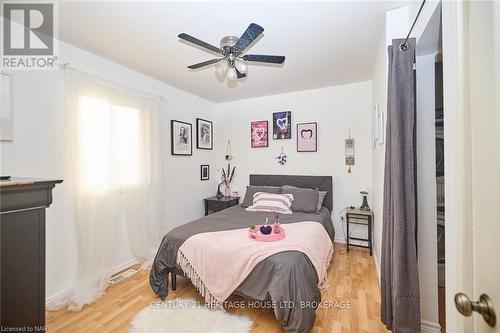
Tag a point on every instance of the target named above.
point(17, 181)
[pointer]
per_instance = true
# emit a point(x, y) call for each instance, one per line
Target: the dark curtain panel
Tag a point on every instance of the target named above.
point(400, 309)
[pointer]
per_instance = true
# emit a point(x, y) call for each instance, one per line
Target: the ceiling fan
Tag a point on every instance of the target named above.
point(231, 49)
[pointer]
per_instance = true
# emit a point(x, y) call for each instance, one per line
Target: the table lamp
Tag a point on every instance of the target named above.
point(364, 205)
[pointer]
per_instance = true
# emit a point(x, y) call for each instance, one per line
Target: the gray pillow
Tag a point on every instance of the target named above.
point(251, 190)
point(304, 199)
point(321, 196)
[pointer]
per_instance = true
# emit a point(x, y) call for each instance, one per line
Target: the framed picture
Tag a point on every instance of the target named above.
point(349, 147)
point(259, 134)
point(205, 172)
point(6, 116)
point(204, 134)
point(282, 125)
point(181, 138)
point(307, 137)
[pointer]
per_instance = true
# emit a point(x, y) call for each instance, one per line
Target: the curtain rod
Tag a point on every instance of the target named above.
point(112, 83)
point(404, 46)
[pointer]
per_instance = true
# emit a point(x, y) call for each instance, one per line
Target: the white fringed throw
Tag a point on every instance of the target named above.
point(217, 262)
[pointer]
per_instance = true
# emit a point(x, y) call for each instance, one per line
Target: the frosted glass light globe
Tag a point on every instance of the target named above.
point(221, 66)
point(241, 66)
point(231, 74)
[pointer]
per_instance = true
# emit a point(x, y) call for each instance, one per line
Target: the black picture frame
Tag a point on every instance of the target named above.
point(200, 144)
point(282, 118)
point(313, 127)
point(175, 148)
point(254, 143)
point(204, 172)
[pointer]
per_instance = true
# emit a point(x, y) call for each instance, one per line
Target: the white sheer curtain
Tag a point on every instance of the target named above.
point(115, 166)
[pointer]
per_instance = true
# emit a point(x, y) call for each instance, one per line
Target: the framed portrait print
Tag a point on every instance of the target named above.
point(204, 134)
point(307, 137)
point(205, 172)
point(259, 134)
point(282, 125)
point(181, 138)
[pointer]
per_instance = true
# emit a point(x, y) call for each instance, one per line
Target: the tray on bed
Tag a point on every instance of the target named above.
point(260, 237)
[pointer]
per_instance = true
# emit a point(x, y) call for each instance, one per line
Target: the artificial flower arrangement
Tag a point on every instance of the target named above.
point(226, 179)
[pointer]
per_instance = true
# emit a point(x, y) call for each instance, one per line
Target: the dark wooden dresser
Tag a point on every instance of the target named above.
point(22, 253)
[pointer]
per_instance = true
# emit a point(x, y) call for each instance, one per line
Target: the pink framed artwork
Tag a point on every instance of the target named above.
point(307, 137)
point(259, 134)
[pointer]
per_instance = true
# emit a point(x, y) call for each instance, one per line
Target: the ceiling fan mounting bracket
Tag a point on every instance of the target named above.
point(228, 41)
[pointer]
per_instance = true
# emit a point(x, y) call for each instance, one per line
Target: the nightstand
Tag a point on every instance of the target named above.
point(214, 204)
point(363, 217)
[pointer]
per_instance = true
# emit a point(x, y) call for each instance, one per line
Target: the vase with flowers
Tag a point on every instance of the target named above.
point(277, 225)
point(226, 179)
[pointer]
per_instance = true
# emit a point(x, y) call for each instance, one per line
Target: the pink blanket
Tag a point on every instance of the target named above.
point(217, 262)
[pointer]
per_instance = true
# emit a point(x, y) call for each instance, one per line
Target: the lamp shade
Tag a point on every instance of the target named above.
point(222, 66)
point(241, 66)
point(231, 74)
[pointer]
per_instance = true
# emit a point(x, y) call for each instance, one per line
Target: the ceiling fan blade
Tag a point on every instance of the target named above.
point(239, 75)
point(264, 58)
point(198, 42)
point(205, 63)
point(253, 31)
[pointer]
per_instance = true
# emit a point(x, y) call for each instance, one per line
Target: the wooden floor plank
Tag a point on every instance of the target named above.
point(351, 276)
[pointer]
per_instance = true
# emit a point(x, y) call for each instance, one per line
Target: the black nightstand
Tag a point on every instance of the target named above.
point(214, 204)
point(363, 217)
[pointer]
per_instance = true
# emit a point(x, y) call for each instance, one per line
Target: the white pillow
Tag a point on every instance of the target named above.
point(271, 202)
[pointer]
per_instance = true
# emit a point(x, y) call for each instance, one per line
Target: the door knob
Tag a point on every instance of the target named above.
point(484, 307)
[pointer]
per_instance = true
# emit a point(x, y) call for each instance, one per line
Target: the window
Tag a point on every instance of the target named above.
point(109, 145)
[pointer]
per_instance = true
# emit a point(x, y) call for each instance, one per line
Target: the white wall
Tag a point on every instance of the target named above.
point(38, 151)
point(336, 110)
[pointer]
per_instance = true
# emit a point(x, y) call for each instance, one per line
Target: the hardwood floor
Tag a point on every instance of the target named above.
point(351, 276)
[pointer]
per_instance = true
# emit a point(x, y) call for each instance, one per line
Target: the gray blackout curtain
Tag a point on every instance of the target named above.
point(400, 308)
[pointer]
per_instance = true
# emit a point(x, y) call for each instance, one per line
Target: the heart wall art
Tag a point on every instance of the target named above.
point(259, 134)
point(282, 125)
point(307, 137)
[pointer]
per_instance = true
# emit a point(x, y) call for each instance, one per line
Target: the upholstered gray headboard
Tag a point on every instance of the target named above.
point(322, 183)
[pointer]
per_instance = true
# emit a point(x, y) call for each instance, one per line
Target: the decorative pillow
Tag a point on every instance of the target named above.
point(251, 190)
point(271, 202)
point(305, 199)
point(321, 198)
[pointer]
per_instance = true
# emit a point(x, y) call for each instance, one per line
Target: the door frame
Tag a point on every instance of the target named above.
point(457, 151)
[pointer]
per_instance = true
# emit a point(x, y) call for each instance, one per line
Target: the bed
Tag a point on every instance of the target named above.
point(287, 276)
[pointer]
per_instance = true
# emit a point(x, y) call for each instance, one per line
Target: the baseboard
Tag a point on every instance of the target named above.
point(125, 265)
point(55, 298)
point(339, 240)
point(61, 295)
point(430, 327)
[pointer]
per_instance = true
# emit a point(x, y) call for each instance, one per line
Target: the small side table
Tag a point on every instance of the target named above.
point(363, 217)
point(214, 204)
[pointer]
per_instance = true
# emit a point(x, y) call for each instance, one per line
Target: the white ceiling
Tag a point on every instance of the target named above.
point(325, 43)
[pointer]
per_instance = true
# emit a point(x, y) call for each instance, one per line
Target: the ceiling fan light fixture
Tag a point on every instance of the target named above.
point(231, 74)
point(241, 66)
point(222, 66)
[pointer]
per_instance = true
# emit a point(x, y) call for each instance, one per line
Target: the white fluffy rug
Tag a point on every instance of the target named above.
point(187, 315)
